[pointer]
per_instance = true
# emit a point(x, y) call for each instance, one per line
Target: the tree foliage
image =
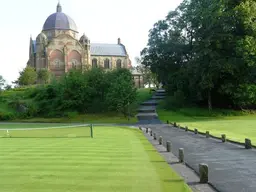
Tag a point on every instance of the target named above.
point(2, 82)
point(28, 76)
point(206, 51)
point(91, 91)
point(43, 76)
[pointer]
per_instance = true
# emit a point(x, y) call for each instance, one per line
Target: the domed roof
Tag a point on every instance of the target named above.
point(41, 38)
point(84, 39)
point(59, 20)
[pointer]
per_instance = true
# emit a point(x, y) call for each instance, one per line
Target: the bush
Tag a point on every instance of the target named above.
point(92, 91)
point(70, 115)
point(178, 100)
point(4, 116)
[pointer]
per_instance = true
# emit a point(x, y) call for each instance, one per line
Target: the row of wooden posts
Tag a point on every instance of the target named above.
point(203, 168)
point(247, 143)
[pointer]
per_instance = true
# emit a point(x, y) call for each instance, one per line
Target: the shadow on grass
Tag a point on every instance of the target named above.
point(174, 180)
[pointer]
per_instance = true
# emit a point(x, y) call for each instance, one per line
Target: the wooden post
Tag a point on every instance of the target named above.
point(168, 146)
point(146, 130)
point(154, 136)
point(167, 122)
point(248, 144)
point(207, 134)
point(151, 133)
point(181, 155)
point(175, 124)
point(196, 131)
point(203, 173)
point(186, 128)
point(223, 138)
point(160, 140)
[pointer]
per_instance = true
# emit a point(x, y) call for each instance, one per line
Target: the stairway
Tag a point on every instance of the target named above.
point(147, 111)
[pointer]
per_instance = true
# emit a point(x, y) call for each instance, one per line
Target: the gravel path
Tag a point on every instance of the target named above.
point(231, 167)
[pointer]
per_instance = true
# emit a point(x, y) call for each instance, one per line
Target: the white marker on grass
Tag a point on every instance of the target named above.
point(7, 133)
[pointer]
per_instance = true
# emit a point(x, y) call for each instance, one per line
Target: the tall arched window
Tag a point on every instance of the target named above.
point(106, 64)
point(94, 63)
point(119, 63)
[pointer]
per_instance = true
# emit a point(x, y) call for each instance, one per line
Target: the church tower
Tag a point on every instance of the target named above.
point(85, 42)
point(41, 42)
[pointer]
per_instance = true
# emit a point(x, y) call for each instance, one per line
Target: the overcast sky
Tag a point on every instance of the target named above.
point(103, 21)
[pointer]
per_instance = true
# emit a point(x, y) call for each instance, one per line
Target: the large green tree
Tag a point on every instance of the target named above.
point(28, 76)
point(206, 50)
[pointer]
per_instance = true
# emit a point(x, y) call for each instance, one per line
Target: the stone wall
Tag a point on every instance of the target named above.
point(113, 61)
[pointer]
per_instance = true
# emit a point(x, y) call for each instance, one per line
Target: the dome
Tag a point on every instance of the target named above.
point(41, 38)
point(59, 20)
point(84, 39)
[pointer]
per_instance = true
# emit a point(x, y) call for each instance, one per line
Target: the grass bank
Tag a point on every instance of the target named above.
point(142, 95)
point(236, 125)
point(116, 159)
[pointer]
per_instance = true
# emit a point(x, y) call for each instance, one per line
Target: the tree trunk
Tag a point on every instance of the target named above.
point(209, 100)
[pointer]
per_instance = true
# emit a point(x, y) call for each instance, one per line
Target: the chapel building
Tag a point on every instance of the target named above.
point(58, 48)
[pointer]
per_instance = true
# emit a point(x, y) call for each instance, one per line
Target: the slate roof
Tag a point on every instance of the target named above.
point(100, 49)
point(59, 21)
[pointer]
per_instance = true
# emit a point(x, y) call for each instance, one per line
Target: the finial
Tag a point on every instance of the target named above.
point(59, 8)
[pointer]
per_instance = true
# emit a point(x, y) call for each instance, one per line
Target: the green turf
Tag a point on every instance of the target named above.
point(117, 159)
point(57, 132)
point(31, 125)
point(236, 128)
point(88, 118)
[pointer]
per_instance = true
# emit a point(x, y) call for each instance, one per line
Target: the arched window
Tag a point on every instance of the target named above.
point(94, 63)
point(74, 63)
point(106, 64)
point(57, 63)
point(119, 63)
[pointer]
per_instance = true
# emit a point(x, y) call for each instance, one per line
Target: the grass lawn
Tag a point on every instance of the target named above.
point(88, 118)
point(116, 159)
point(236, 126)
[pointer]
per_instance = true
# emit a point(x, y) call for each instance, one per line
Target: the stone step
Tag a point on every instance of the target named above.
point(150, 103)
point(157, 97)
point(160, 91)
point(147, 109)
point(147, 114)
point(160, 94)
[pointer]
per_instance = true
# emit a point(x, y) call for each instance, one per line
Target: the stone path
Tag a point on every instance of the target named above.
point(147, 111)
point(231, 167)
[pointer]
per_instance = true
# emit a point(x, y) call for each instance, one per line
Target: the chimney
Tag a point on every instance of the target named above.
point(118, 41)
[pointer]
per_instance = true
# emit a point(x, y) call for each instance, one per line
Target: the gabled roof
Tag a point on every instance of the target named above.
point(100, 49)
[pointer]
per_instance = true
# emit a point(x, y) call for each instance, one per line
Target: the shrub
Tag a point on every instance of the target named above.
point(178, 100)
point(71, 114)
point(4, 116)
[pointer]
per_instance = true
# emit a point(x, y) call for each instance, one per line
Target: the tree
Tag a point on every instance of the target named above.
point(43, 76)
point(121, 92)
point(28, 76)
point(2, 82)
point(148, 76)
point(205, 50)
point(8, 87)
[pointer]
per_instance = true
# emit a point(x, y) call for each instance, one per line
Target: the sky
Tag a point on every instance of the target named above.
point(103, 21)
